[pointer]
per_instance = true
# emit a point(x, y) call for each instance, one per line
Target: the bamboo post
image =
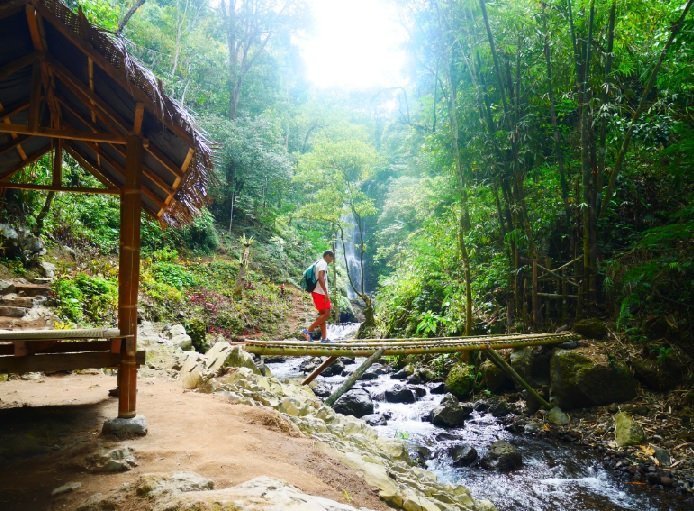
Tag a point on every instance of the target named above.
point(535, 297)
point(328, 362)
point(129, 275)
point(564, 298)
point(503, 365)
point(349, 382)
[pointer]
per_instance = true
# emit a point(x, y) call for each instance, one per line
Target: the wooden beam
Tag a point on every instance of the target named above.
point(64, 133)
point(16, 65)
point(58, 163)
point(64, 362)
point(35, 30)
point(129, 275)
point(7, 115)
point(35, 98)
point(138, 118)
point(149, 174)
point(90, 72)
point(89, 167)
point(7, 348)
point(50, 188)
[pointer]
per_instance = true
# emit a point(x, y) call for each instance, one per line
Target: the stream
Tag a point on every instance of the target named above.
point(555, 476)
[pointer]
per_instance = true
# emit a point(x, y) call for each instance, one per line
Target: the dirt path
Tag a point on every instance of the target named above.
point(48, 427)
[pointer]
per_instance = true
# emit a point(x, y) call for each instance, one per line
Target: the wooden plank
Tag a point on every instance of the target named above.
point(64, 362)
point(79, 333)
point(51, 188)
point(16, 65)
point(6, 117)
point(12, 144)
point(7, 348)
point(64, 133)
point(327, 363)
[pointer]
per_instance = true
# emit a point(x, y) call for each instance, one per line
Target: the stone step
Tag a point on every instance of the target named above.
point(32, 290)
point(17, 301)
point(42, 280)
point(12, 312)
point(6, 287)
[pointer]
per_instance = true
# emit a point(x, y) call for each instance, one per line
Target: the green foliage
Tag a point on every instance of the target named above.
point(197, 330)
point(86, 299)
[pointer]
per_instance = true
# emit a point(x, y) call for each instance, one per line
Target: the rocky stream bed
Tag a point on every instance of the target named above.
point(515, 461)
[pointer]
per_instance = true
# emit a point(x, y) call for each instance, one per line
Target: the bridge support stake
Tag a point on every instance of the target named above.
point(330, 361)
point(349, 382)
point(505, 366)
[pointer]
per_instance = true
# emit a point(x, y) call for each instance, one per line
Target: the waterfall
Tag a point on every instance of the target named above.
point(351, 254)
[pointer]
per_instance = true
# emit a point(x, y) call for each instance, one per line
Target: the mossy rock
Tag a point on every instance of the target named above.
point(461, 380)
point(657, 376)
point(627, 431)
point(494, 378)
point(591, 328)
point(577, 380)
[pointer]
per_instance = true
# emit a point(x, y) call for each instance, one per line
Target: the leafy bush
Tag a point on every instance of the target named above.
point(173, 275)
point(87, 299)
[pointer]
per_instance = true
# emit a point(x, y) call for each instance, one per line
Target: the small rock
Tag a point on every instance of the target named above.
point(335, 369)
point(450, 413)
point(439, 388)
point(402, 374)
point(627, 431)
point(125, 428)
point(662, 456)
point(502, 456)
point(116, 460)
point(531, 428)
point(666, 481)
point(322, 389)
point(557, 417)
point(66, 488)
point(375, 420)
point(463, 455)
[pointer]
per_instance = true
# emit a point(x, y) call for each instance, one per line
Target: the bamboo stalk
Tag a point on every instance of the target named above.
point(504, 366)
point(316, 372)
point(349, 382)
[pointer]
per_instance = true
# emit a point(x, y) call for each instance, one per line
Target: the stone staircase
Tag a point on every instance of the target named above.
point(23, 305)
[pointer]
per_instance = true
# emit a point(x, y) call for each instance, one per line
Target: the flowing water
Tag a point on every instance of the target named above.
point(354, 267)
point(555, 476)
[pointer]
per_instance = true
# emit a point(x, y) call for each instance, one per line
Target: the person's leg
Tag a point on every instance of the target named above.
point(324, 326)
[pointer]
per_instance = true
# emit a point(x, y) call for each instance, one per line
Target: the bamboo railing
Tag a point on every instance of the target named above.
point(413, 346)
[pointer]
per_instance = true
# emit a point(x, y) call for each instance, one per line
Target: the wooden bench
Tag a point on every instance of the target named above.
point(23, 351)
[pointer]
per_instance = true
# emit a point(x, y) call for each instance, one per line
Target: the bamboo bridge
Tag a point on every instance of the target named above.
point(374, 349)
point(425, 346)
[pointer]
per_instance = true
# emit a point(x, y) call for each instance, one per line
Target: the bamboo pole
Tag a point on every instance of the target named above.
point(129, 275)
point(535, 297)
point(504, 366)
point(349, 382)
point(316, 372)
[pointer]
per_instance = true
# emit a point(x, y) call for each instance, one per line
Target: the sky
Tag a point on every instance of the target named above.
point(354, 44)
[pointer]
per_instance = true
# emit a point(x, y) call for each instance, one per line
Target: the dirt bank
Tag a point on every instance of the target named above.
point(50, 425)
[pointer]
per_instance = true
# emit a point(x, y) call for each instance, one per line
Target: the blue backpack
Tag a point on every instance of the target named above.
point(309, 280)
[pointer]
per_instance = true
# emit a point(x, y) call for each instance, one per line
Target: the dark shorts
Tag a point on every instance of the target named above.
point(322, 302)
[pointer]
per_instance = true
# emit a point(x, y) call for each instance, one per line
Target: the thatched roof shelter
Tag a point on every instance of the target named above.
point(61, 78)
point(67, 86)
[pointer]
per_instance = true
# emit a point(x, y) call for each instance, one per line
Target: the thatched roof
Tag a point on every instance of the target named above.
point(59, 72)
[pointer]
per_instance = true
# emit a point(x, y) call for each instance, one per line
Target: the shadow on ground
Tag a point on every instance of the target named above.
point(40, 449)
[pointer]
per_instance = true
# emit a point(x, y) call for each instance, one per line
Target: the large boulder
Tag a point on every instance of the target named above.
point(179, 337)
point(580, 379)
point(627, 431)
point(450, 413)
point(658, 376)
point(494, 378)
point(20, 243)
point(373, 372)
point(223, 354)
point(532, 363)
point(461, 380)
point(591, 328)
point(356, 402)
point(400, 394)
point(502, 456)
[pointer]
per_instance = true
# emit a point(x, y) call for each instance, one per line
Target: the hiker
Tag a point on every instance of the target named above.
point(321, 297)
